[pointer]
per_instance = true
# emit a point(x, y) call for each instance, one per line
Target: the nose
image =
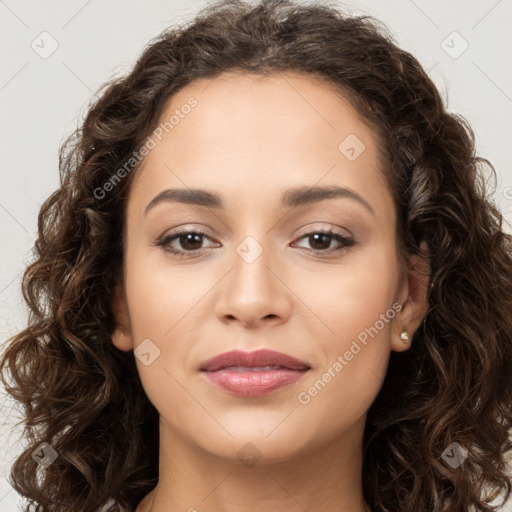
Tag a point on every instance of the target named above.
point(254, 293)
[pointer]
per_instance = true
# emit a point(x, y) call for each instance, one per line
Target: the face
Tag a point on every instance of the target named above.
point(262, 265)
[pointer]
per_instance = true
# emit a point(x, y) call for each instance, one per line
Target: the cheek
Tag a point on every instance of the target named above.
point(352, 296)
point(357, 308)
point(162, 295)
point(165, 308)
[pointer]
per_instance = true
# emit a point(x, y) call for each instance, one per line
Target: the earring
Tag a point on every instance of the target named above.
point(404, 336)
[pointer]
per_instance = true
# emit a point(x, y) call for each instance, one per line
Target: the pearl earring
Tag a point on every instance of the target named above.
point(404, 336)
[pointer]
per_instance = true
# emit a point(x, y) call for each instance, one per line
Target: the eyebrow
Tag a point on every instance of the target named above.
point(292, 198)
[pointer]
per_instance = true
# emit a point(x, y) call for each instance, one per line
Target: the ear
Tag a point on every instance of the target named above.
point(121, 336)
point(413, 297)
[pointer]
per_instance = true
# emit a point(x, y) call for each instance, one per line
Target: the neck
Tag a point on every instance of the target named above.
point(325, 478)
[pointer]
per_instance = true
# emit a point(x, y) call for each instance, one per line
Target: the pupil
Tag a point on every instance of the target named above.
point(189, 240)
point(323, 238)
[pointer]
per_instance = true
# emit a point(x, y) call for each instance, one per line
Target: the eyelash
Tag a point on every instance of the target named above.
point(166, 240)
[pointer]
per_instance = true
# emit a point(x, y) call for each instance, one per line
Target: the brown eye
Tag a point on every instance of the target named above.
point(320, 241)
point(190, 241)
point(183, 242)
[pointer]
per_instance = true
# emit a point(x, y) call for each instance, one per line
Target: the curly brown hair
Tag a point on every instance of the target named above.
point(84, 397)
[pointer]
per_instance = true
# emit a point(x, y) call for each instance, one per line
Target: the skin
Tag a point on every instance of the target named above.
point(249, 139)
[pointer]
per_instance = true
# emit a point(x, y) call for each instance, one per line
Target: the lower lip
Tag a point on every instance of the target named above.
point(253, 383)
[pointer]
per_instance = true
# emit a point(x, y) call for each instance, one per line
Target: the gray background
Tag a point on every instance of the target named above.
point(43, 99)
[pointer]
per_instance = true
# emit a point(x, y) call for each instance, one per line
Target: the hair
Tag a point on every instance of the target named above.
point(84, 396)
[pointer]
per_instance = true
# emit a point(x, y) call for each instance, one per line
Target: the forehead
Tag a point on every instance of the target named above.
point(266, 133)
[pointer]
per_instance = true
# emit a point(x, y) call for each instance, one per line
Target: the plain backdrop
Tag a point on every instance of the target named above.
point(55, 55)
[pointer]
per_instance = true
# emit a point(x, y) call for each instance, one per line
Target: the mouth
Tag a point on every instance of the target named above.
point(251, 374)
point(252, 368)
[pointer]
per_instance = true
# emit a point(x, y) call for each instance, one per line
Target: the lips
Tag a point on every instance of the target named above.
point(253, 374)
point(251, 361)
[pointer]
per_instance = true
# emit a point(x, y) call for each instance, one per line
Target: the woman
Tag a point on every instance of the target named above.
point(272, 279)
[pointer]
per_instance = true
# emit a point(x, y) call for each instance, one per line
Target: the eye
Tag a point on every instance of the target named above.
point(321, 241)
point(190, 241)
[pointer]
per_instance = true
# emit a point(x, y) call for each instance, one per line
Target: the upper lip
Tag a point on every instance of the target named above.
point(263, 357)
